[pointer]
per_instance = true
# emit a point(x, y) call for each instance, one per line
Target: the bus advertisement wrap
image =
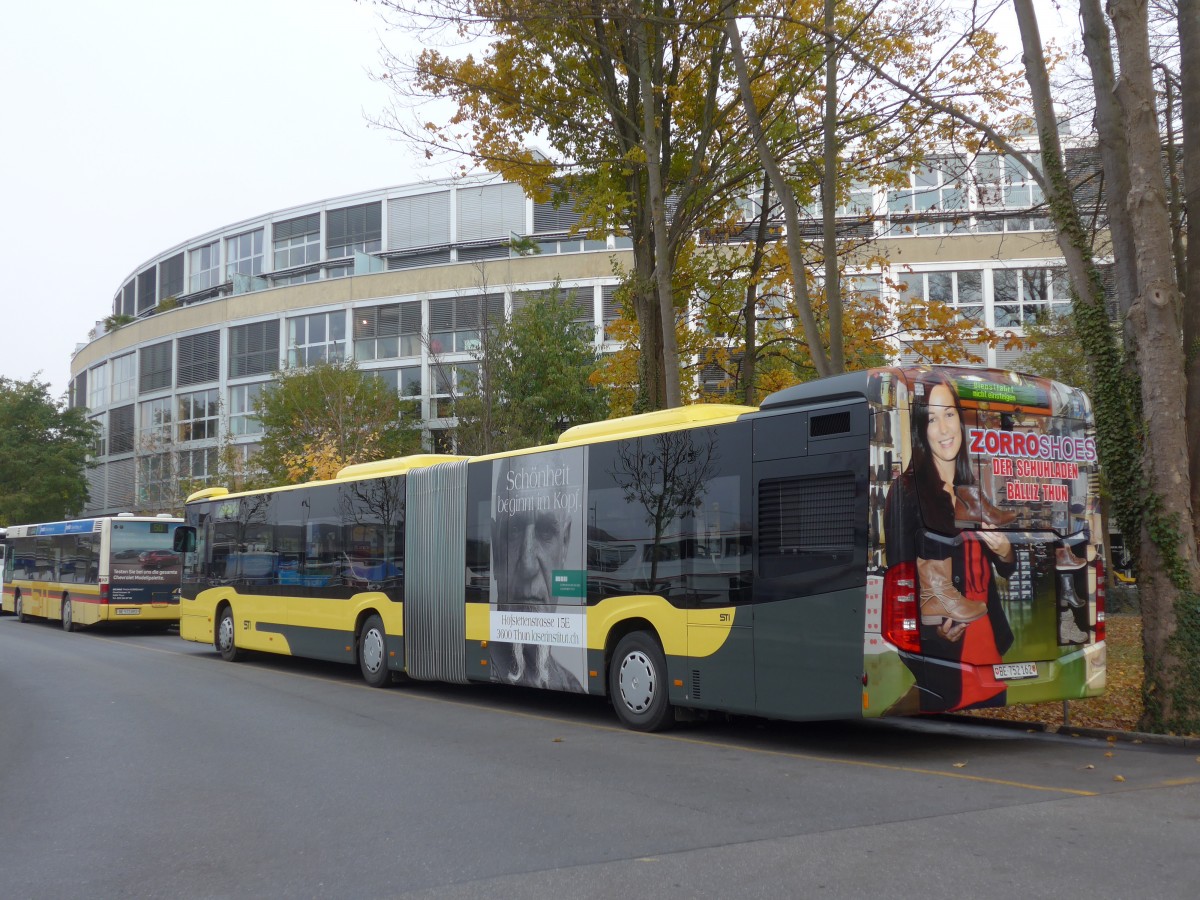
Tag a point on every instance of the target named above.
point(537, 621)
point(984, 507)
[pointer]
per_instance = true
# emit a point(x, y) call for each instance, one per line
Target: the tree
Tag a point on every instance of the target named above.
point(44, 446)
point(626, 95)
point(536, 379)
point(819, 135)
point(1141, 421)
point(320, 419)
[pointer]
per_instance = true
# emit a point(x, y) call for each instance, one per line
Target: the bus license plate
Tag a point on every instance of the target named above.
point(128, 611)
point(1009, 671)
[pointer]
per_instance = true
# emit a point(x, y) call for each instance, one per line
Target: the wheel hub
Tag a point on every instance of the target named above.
point(372, 650)
point(637, 681)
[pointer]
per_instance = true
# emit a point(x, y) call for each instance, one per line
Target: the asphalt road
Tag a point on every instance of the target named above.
point(144, 766)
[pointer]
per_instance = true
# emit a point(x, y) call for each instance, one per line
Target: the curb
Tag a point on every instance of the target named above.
point(1105, 734)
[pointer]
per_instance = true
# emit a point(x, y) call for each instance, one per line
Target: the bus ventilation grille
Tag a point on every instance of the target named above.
point(695, 684)
point(831, 423)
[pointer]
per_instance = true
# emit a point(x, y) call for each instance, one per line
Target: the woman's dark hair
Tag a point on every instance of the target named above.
point(922, 460)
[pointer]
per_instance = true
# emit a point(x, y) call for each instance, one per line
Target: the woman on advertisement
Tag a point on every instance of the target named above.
point(962, 619)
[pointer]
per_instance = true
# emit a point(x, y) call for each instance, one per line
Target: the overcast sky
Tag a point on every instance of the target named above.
point(131, 126)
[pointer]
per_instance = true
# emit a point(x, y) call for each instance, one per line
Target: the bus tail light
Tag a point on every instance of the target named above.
point(104, 593)
point(1101, 599)
point(901, 611)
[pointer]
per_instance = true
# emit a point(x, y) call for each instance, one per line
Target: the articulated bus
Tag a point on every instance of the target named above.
point(888, 542)
point(85, 571)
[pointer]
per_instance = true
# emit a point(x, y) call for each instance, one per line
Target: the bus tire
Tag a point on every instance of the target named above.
point(637, 683)
point(224, 638)
point(68, 620)
point(19, 607)
point(372, 652)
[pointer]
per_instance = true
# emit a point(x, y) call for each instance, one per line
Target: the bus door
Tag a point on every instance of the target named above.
point(716, 567)
point(810, 479)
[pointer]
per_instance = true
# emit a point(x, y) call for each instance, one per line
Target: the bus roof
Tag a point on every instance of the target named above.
point(851, 385)
point(81, 526)
point(653, 422)
point(356, 472)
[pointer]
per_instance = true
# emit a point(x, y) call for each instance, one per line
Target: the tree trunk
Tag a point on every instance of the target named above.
point(652, 143)
point(749, 368)
point(1189, 108)
point(1168, 539)
point(649, 331)
point(1113, 157)
point(833, 292)
point(787, 199)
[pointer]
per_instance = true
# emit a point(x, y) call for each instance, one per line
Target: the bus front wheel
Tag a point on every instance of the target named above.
point(637, 683)
point(68, 621)
point(372, 652)
point(225, 631)
point(19, 607)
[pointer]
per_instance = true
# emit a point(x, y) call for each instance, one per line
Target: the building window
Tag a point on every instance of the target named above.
point(450, 381)
point(147, 293)
point(155, 367)
point(455, 322)
point(961, 290)
point(1027, 296)
point(199, 358)
point(242, 419)
point(170, 277)
point(353, 228)
point(1004, 187)
point(316, 338)
point(120, 430)
point(98, 448)
point(124, 378)
point(200, 466)
point(254, 349)
point(405, 381)
point(124, 303)
point(154, 427)
point(580, 299)
point(97, 387)
point(205, 266)
point(387, 332)
point(610, 309)
point(156, 480)
point(297, 242)
point(935, 195)
point(244, 254)
point(199, 415)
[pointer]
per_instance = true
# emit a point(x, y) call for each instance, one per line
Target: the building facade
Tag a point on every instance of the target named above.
point(398, 280)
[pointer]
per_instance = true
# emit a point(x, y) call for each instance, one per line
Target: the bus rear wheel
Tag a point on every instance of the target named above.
point(637, 683)
point(372, 652)
point(224, 638)
point(68, 620)
point(19, 607)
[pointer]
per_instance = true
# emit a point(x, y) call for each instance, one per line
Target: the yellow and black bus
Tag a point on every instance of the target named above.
point(885, 542)
point(86, 571)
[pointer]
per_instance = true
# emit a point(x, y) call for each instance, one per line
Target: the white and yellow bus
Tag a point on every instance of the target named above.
point(86, 571)
point(887, 542)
